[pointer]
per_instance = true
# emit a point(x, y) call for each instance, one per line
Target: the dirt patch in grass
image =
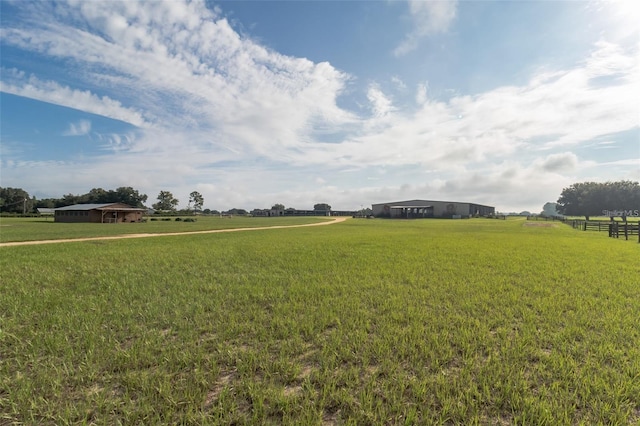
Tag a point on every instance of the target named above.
point(330, 418)
point(292, 390)
point(306, 372)
point(218, 386)
point(540, 224)
point(309, 352)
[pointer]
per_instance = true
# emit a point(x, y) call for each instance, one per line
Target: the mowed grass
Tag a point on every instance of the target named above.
point(33, 229)
point(363, 322)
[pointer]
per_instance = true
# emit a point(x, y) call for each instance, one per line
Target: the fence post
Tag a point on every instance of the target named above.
point(585, 226)
point(626, 231)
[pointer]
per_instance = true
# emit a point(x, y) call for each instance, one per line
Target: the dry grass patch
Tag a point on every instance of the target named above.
point(223, 381)
point(290, 391)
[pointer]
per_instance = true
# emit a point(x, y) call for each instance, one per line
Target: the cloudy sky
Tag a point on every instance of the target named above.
point(253, 103)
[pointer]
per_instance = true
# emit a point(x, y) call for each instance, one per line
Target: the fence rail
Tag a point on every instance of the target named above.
point(614, 229)
point(626, 229)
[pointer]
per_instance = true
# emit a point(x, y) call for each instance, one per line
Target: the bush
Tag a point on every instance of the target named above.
point(189, 219)
point(165, 219)
point(154, 219)
point(178, 219)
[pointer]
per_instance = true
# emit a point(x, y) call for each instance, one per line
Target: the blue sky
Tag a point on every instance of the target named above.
point(253, 103)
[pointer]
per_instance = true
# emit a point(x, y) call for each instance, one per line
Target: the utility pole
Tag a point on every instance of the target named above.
point(24, 206)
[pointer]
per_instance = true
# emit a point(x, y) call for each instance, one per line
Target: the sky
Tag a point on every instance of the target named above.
point(350, 103)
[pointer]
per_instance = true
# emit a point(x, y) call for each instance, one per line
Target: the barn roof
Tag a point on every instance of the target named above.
point(424, 203)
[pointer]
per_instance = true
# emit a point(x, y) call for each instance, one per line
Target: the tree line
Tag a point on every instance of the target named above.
point(597, 198)
point(580, 199)
point(17, 200)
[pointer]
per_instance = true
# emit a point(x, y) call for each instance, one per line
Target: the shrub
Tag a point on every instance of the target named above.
point(178, 219)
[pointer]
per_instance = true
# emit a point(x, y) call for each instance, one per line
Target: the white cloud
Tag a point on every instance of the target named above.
point(205, 77)
point(397, 81)
point(381, 105)
point(428, 17)
point(217, 111)
point(421, 93)
point(81, 128)
point(634, 162)
point(563, 162)
point(15, 83)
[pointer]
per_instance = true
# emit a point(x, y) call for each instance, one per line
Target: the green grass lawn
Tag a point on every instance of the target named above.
point(364, 322)
point(30, 229)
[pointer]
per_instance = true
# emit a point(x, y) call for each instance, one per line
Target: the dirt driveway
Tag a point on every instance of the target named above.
point(212, 231)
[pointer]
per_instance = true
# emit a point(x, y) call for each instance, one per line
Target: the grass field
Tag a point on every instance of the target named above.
point(31, 229)
point(363, 322)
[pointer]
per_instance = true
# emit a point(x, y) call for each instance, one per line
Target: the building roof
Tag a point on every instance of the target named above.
point(105, 206)
point(425, 203)
point(45, 210)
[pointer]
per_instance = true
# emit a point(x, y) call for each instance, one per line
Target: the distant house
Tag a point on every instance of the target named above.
point(99, 213)
point(295, 212)
point(428, 208)
point(267, 212)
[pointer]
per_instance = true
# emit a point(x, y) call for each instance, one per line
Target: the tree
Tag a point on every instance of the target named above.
point(197, 200)
point(16, 200)
point(166, 201)
point(100, 196)
point(124, 194)
point(71, 199)
point(322, 207)
point(277, 207)
point(128, 195)
point(594, 198)
point(237, 212)
point(47, 203)
point(550, 210)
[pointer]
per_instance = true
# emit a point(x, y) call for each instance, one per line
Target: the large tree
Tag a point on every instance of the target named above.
point(166, 201)
point(15, 200)
point(196, 199)
point(128, 195)
point(277, 206)
point(70, 199)
point(594, 198)
point(322, 207)
point(549, 210)
point(99, 196)
point(237, 212)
